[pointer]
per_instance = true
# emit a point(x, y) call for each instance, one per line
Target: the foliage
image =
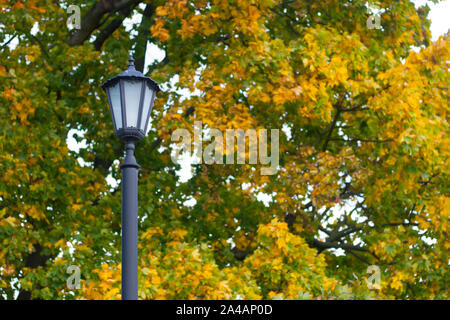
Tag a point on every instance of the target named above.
point(364, 153)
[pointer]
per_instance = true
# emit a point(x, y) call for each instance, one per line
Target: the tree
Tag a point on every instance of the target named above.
point(363, 177)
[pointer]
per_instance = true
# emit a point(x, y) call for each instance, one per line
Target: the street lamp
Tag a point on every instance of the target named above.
point(130, 97)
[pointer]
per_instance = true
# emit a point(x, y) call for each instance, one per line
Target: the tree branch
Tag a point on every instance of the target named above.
point(331, 128)
point(33, 260)
point(143, 36)
point(113, 26)
point(361, 140)
point(323, 245)
point(92, 18)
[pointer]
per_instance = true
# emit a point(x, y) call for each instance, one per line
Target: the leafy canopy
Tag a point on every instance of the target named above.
point(364, 152)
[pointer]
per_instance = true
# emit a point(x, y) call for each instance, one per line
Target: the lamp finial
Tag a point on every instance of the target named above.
point(131, 62)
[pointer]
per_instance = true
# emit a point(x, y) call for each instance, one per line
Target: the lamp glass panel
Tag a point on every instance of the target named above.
point(132, 90)
point(114, 95)
point(147, 107)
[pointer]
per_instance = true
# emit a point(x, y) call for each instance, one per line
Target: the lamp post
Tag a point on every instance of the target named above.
point(130, 97)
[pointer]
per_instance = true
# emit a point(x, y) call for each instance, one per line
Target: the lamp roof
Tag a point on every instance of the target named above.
point(131, 73)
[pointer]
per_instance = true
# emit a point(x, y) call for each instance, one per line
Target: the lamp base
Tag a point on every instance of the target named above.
point(133, 134)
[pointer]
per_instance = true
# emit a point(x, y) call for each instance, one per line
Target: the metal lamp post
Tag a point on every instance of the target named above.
point(130, 97)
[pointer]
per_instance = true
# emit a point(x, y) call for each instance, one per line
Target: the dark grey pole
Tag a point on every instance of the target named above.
point(129, 224)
